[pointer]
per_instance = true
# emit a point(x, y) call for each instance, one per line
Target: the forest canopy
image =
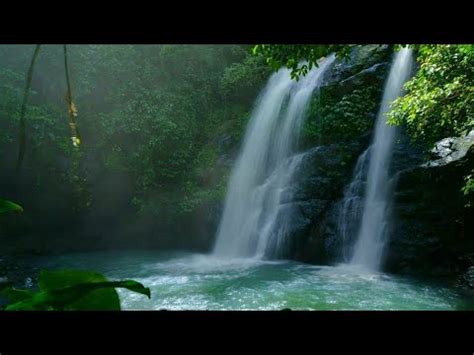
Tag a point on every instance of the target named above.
point(139, 114)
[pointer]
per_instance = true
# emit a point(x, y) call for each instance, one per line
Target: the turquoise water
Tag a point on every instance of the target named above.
point(183, 281)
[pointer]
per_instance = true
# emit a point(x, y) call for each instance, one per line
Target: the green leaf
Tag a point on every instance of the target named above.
point(73, 290)
point(8, 206)
point(100, 299)
point(15, 295)
point(36, 302)
point(133, 286)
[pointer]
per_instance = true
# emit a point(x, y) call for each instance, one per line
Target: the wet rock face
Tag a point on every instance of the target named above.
point(227, 151)
point(467, 279)
point(321, 179)
point(451, 149)
point(327, 169)
point(365, 61)
point(373, 75)
point(433, 229)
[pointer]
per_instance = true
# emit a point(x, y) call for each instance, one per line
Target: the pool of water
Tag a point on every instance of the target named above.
point(184, 281)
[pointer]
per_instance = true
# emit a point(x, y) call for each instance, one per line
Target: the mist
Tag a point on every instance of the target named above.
point(147, 162)
point(236, 177)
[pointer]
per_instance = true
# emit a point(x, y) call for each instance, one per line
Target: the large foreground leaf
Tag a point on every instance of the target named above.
point(14, 295)
point(8, 206)
point(99, 299)
point(72, 290)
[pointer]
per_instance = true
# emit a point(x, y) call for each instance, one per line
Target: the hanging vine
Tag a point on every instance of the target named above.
point(22, 131)
point(75, 137)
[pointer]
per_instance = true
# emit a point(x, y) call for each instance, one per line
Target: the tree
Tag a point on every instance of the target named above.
point(439, 99)
point(298, 58)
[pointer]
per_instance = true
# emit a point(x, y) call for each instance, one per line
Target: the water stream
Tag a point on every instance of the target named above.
point(265, 167)
point(371, 215)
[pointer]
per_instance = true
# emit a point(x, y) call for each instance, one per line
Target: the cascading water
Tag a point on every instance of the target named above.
point(350, 210)
point(251, 225)
point(373, 225)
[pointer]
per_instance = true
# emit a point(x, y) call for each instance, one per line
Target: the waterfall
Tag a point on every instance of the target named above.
point(350, 210)
point(251, 225)
point(373, 220)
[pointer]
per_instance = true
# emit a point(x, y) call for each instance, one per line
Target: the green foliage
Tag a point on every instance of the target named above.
point(71, 290)
point(338, 118)
point(244, 79)
point(8, 206)
point(298, 58)
point(468, 189)
point(146, 112)
point(439, 100)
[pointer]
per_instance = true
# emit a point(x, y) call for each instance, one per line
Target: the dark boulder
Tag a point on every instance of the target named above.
point(433, 227)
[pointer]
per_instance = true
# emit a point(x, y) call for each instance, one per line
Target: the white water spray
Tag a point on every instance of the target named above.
point(373, 231)
point(251, 225)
